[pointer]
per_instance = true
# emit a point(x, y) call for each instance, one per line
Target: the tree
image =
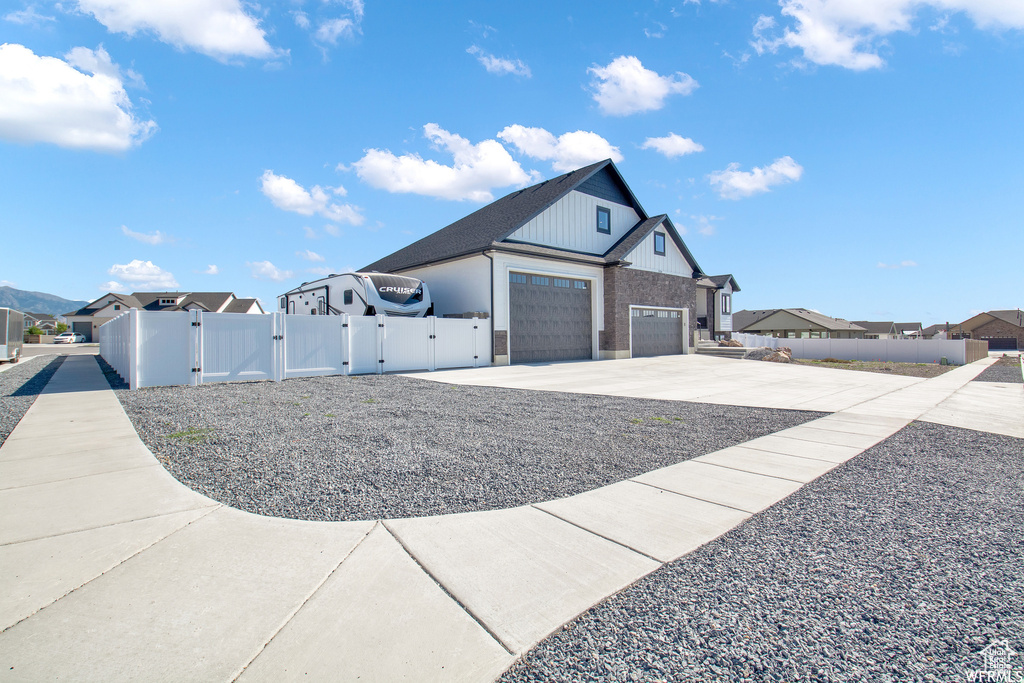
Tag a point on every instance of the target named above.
point(62, 327)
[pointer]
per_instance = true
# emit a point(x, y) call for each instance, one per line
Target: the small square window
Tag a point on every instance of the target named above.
point(659, 243)
point(117, 307)
point(538, 280)
point(604, 220)
point(517, 278)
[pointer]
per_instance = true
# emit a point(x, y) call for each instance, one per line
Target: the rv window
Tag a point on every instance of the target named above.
point(284, 302)
point(348, 296)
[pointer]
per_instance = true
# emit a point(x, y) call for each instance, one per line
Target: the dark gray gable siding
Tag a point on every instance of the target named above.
point(605, 185)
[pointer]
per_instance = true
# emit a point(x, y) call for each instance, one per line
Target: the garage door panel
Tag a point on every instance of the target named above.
point(656, 332)
point(1000, 343)
point(549, 319)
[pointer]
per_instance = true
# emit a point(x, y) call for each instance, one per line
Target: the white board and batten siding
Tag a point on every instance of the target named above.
point(642, 256)
point(458, 286)
point(571, 222)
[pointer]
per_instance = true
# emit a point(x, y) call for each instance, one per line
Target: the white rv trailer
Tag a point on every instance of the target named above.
point(12, 334)
point(359, 294)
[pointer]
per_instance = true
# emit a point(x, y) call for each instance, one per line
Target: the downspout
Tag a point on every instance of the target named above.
point(490, 258)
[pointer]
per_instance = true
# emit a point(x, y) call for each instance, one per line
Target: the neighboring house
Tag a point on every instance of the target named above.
point(934, 332)
point(1003, 330)
point(570, 268)
point(909, 330)
point(799, 323)
point(87, 320)
point(877, 329)
point(714, 305)
point(44, 321)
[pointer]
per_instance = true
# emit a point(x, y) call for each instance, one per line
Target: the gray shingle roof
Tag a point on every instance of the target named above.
point(813, 317)
point(488, 227)
point(241, 306)
point(876, 326)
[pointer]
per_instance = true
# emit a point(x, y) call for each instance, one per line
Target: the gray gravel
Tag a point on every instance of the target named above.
point(19, 386)
point(899, 566)
point(1001, 373)
point(370, 447)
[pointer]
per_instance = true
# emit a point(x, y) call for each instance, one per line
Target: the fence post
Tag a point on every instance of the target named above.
point(193, 345)
point(279, 356)
point(133, 348)
point(346, 345)
point(432, 344)
point(382, 333)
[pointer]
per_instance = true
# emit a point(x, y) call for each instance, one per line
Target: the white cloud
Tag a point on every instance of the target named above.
point(45, 99)
point(625, 87)
point(673, 145)
point(901, 264)
point(156, 238)
point(848, 33)
point(211, 270)
point(567, 152)
point(288, 195)
point(309, 232)
point(322, 271)
point(309, 255)
point(7, 283)
point(330, 29)
point(706, 224)
point(265, 270)
point(27, 16)
point(735, 184)
point(112, 286)
point(476, 169)
point(499, 65)
point(143, 276)
point(218, 28)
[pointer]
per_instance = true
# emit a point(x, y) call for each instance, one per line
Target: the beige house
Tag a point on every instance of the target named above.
point(87, 320)
point(796, 323)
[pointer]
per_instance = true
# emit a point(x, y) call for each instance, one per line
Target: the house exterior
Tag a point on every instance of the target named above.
point(88, 319)
point(570, 268)
point(909, 330)
point(874, 329)
point(44, 321)
point(797, 323)
point(1003, 330)
point(714, 306)
point(937, 331)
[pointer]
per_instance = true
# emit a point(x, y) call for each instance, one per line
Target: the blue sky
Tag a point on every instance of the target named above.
point(858, 157)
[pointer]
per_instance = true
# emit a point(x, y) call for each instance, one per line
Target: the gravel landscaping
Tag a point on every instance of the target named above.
point(19, 386)
point(370, 447)
point(1006, 369)
point(901, 565)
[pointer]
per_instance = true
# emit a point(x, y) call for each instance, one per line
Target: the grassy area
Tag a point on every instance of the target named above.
point(883, 367)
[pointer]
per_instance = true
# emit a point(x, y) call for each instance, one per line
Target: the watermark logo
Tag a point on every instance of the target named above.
point(997, 665)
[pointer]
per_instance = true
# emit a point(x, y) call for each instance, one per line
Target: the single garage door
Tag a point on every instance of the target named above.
point(549, 319)
point(656, 332)
point(1000, 343)
point(83, 329)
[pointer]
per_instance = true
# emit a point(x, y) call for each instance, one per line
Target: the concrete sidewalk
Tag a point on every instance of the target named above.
point(115, 571)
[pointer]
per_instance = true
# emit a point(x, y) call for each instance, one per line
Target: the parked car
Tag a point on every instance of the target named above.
point(68, 338)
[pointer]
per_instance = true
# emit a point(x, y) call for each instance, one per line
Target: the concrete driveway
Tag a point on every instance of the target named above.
point(702, 379)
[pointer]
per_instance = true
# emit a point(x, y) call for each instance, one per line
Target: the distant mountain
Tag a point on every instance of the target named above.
point(37, 302)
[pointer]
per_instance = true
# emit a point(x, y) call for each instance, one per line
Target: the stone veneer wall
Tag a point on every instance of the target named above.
point(501, 342)
point(627, 286)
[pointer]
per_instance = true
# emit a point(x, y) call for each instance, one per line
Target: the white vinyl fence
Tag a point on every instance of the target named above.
point(151, 348)
point(956, 351)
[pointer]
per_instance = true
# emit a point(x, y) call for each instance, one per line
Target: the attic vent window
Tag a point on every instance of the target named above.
point(659, 243)
point(604, 220)
point(168, 302)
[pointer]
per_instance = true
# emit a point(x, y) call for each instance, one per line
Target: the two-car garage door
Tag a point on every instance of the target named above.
point(549, 319)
